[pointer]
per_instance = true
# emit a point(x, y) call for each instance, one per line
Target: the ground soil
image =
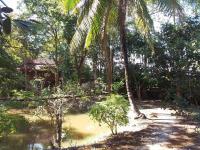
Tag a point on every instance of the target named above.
point(161, 131)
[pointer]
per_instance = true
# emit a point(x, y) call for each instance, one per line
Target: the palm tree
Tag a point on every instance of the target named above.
point(96, 16)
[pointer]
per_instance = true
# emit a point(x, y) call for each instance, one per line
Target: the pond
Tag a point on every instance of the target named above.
point(81, 130)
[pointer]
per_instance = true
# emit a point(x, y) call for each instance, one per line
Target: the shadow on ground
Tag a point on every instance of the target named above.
point(164, 131)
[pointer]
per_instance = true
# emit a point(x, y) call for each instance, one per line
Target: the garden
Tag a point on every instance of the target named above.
point(99, 74)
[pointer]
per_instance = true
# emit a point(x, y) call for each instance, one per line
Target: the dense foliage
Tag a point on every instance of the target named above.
point(97, 53)
point(10, 123)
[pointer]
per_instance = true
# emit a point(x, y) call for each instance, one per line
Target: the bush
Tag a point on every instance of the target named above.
point(116, 86)
point(113, 112)
point(72, 88)
point(100, 86)
point(175, 102)
point(10, 79)
point(23, 94)
point(11, 123)
point(16, 104)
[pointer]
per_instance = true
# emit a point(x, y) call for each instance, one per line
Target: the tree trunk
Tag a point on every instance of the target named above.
point(79, 64)
point(56, 76)
point(178, 86)
point(178, 90)
point(79, 75)
point(122, 18)
point(56, 58)
point(58, 124)
point(138, 88)
point(106, 50)
point(26, 78)
point(109, 67)
point(94, 68)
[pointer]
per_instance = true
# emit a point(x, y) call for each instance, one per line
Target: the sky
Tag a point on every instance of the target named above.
point(12, 3)
point(158, 18)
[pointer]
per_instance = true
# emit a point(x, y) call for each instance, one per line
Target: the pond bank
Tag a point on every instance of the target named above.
point(161, 131)
point(80, 130)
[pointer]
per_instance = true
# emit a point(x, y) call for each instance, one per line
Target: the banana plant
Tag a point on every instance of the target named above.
point(5, 21)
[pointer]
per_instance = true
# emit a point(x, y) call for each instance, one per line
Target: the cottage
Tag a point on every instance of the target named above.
point(41, 70)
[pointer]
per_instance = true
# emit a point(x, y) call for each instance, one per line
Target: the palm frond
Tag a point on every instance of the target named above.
point(91, 25)
point(82, 30)
point(142, 19)
point(30, 25)
point(113, 15)
point(94, 30)
point(169, 7)
point(70, 4)
point(82, 10)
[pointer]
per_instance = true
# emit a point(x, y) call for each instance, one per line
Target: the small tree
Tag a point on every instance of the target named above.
point(55, 105)
point(113, 112)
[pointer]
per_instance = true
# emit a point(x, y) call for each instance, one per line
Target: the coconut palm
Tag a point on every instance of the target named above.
point(95, 17)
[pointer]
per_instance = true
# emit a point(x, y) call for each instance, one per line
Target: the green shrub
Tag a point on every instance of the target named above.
point(116, 86)
point(23, 94)
point(175, 102)
point(10, 79)
point(72, 88)
point(16, 104)
point(100, 86)
point(113, 112)
point(11, 123)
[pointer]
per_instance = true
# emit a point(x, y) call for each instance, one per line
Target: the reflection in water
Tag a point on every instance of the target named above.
point(20, 142)
point(80, 130)
point(35, 146)
point(39, 132)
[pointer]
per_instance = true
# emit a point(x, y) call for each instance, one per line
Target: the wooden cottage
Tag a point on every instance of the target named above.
point(41, 70)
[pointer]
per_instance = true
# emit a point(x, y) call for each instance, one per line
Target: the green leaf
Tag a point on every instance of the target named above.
point(170, 7)
point(80, 35)
point(88, 40)
point(70, 4)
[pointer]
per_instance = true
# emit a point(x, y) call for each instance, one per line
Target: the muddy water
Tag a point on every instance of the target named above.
point(80, 129)
point(83, 130)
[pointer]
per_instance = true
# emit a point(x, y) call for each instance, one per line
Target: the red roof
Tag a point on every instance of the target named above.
point(40, 61)
point(37, 64)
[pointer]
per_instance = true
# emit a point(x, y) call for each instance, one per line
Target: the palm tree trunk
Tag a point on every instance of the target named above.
point(106, 50)
point(122, 18)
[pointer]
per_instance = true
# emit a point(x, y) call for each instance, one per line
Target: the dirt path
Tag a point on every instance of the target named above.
point(161, 131)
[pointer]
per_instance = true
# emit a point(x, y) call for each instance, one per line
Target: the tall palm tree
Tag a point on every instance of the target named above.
point(96, 16)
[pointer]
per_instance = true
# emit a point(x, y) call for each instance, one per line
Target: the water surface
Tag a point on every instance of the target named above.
point(80, 130)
